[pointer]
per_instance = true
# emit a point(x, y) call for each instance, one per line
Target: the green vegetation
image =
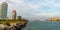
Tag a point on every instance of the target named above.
point(7, 23)
point(12, 21)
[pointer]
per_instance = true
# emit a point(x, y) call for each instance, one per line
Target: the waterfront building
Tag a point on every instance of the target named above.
point(54, 19)
point(13, 15)
point(19, 17)
point(3, 10)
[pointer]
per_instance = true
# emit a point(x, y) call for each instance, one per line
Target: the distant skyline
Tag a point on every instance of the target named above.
point(34, 9)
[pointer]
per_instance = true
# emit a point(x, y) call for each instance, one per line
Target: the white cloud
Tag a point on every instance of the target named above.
point(24, 8)
point(32, 6)
point(47, 14)
point(57, 4)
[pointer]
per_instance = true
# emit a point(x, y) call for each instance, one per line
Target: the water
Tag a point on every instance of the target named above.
point(40, 25)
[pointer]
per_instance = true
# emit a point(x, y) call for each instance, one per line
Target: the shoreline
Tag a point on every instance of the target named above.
point(21, 24)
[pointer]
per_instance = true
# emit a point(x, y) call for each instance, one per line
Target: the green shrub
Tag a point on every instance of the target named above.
point(7, 23)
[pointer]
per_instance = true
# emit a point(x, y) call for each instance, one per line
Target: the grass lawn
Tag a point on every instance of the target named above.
point(12, 21)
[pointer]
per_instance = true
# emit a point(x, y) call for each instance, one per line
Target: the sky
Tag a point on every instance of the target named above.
point(34, 9)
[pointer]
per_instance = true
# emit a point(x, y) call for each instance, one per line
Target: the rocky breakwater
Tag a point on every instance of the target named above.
point(16, 26)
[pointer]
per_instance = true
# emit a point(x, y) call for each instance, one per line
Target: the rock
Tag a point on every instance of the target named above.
point(18, 26)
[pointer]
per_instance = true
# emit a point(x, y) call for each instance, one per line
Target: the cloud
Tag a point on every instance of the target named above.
point(34, 8)
point(31, 8)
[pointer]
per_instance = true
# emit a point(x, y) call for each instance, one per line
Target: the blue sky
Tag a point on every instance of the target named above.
point(35, 9)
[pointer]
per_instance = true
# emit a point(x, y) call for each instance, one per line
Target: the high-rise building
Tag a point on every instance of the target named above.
point(0, 13)
point(4, 7)
point(13, 15)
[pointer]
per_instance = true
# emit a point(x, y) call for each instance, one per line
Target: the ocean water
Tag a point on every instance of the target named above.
point(42, 25)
